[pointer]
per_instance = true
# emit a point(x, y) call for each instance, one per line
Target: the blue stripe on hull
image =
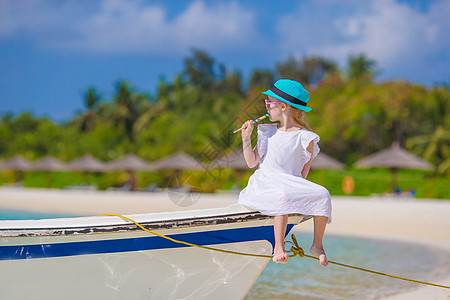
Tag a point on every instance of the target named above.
point(138, 244)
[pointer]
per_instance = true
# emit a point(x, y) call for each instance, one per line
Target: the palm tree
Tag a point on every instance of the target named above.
point(87, 119)
point(144, 120)
point(309, 70)
point(127, 108)
point(360, 65)
point(199, 70)
point(261, 79)
point(434, 147)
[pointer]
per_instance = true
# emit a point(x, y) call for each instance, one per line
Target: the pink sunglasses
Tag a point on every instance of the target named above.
point(269, 102)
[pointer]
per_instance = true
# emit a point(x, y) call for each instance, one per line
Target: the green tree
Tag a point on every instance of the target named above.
point(309, 70)
point(261, 79)
point(31, 137)
point(199, 70)
point(434, 147)
point(231, 83)
point(5, 134)
point(128, 106)
point(88, 119)
point(360, 66)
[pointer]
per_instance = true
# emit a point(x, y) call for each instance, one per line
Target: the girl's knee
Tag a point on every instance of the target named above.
point(324, 193)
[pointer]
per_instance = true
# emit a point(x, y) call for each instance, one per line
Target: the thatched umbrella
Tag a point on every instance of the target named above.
point(18, 164)
point(323, 161)
point(87, 164)
point(234, 160)
point(49, 164)
point(178, 161)
point(130, 163)
point(394, 158)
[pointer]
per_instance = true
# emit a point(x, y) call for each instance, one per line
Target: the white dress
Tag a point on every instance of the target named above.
point(277, 186)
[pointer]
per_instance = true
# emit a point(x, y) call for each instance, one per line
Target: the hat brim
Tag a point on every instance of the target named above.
point(302, 107)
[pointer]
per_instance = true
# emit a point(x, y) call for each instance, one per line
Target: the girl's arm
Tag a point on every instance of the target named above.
point(307, 166)
point(251, 156)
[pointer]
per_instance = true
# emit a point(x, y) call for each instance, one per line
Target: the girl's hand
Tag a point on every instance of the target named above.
point(247, 129)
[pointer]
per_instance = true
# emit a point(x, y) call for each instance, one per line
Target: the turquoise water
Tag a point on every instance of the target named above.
point(304, 278)
point(24, 215)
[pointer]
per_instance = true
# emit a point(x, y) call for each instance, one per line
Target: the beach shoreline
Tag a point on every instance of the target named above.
point(421, 221)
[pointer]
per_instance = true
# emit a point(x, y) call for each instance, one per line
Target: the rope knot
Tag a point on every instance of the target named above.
point(295, 248)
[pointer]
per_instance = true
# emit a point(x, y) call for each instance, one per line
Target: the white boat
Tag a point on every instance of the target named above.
point(110, 258)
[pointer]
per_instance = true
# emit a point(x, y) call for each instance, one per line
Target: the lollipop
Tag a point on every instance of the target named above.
point(254, 121)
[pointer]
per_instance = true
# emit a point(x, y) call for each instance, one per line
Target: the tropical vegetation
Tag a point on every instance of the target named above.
point(354, 114)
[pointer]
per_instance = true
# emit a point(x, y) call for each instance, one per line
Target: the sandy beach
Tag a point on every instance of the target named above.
point(423, 221)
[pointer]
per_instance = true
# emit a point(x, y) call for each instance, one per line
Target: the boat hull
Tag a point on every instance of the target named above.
point(122, 262)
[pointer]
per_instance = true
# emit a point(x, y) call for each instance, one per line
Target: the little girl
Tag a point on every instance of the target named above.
point(284, 152)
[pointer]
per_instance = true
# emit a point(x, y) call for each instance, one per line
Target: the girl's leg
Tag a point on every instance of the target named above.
point(320, 222)
point(279, 230)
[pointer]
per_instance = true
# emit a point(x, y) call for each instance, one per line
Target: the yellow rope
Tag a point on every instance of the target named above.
point(295, 249)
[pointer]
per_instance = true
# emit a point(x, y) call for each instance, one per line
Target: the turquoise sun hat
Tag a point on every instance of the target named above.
point(290, 92)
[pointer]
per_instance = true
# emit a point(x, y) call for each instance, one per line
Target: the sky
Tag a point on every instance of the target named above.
point(51, 51)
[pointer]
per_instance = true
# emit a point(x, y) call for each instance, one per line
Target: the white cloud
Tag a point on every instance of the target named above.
point(117, 27)
point(222, 26)
point(19, 16)
point(121, 26)
point(394, 34)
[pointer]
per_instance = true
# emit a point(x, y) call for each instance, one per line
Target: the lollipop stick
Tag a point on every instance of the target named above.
point(254, 121)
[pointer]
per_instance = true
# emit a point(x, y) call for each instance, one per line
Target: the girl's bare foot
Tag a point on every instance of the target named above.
point(280, 257)
point(320, 253)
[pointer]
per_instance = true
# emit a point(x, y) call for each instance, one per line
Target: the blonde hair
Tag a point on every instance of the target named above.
point(297, 117)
